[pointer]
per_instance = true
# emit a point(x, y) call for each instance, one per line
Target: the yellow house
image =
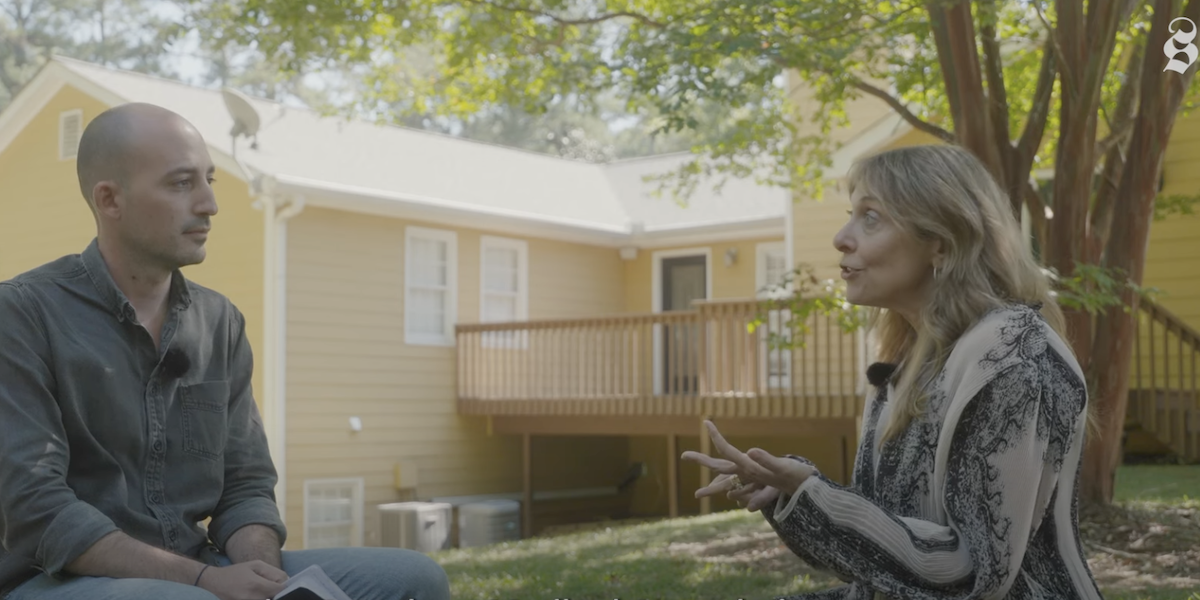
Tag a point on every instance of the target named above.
point(439, 319)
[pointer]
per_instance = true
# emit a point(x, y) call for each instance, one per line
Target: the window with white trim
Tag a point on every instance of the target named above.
point(70, 130)
point(504, 286)
point(430, 286)
point(333, 513)
point(771, 267)
point(776, 332)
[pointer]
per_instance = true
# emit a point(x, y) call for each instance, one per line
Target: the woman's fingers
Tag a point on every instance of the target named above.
point(782, 472)
point(720, 485)
point(743, 495)
point(762, 499)
point(721, 444)
point(719, 465)
point(750, 470)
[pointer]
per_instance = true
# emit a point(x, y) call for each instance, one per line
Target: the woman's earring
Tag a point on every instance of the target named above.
point(935, 273)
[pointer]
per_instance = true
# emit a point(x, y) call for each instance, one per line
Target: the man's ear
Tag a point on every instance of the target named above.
point(106, 199)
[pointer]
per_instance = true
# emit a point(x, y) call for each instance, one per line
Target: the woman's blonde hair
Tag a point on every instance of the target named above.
point(943, 193)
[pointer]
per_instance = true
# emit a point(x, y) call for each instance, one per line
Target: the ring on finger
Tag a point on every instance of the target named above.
point(736, 483)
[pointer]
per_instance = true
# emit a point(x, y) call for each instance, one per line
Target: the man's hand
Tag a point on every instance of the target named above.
point(252, 580)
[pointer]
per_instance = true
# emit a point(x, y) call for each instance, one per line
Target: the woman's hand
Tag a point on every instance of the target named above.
point(754, 497)
point(762, 476)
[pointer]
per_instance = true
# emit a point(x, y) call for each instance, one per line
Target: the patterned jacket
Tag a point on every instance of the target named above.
point(977, 497)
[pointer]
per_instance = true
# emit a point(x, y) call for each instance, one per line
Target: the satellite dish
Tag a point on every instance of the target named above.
point(245, 118)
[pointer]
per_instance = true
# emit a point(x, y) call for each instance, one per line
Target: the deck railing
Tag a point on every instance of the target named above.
point(1164, 385)
point(703, 361)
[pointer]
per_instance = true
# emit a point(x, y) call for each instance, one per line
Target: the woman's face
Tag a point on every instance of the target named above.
point(883, 266)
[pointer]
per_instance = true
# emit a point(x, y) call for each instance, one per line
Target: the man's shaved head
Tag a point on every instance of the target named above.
point(108, 146)
point(147, 176)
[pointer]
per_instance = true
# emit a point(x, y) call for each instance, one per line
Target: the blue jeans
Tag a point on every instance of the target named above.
point(363, 573)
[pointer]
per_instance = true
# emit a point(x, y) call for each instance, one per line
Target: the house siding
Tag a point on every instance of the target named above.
point(1171, 261)
point(347, 357)
point(737, 281)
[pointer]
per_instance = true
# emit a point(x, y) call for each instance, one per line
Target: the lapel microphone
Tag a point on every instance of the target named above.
point(175, 363)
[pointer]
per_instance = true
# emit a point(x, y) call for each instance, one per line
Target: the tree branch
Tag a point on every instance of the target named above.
point(941, 39)
point(1052, 38)
point(646, 20)
point(1039, 110)
point(1114, 148)
point(996, 93)
point(1118, 136)
point(906, 114)
point(975, 130)
point(1037, 212)
point(1103, 23)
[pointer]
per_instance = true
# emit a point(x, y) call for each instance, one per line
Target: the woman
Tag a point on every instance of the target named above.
point(964, 484)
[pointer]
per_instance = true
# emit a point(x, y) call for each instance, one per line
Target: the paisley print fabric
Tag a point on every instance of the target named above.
point(977, 498)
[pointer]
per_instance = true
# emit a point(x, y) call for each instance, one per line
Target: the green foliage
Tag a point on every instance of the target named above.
point(669, 59)
point(1094, 289)
point(721, 70)
point(800, 296)
point(1175, 204)
point(120, 33)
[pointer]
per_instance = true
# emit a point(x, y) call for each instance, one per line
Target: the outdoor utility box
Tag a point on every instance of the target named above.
point(421, 526)
point(488, 522)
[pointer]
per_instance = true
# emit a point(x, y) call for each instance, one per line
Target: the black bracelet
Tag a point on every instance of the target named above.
point(197, 584)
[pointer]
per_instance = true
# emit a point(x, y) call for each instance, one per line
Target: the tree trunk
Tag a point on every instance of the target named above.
point(1125, 251)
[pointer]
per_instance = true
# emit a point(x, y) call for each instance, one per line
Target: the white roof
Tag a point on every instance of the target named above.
point(305, 149)
point(739, 200)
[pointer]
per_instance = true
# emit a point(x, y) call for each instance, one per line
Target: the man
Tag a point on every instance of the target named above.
point(126, 415)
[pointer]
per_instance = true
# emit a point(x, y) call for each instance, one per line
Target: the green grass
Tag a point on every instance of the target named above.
point(621, 562)
point(1159, 483)
point(725, 556)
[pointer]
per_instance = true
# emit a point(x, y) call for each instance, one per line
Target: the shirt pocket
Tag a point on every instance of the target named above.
point(205, 426)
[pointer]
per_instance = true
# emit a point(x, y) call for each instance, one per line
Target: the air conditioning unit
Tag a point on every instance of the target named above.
point(421, 526)
point(488, 522)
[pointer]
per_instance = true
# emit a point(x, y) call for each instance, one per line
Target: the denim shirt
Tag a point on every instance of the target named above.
point(100, 431)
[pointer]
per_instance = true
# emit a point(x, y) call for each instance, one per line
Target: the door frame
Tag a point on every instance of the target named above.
point(656, 294)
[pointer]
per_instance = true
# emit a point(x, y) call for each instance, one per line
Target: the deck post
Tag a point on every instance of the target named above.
point(705, 475)
point(672, 476)
point(527, 483)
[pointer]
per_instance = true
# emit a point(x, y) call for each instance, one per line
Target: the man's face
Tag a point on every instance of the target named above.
point(167, 200)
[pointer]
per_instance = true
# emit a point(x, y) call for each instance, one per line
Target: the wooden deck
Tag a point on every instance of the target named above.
point(662, 374)
point(1164, 396)
point(698, 363)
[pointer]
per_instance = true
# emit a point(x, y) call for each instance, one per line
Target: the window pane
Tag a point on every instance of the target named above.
point(776, 268)
point(429, 262)
point(497, 307)
point(426, 311)
point(500, 269)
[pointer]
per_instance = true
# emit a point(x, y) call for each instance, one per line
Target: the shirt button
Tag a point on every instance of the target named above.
point(171, 535)
point(158, 446)
point(154, 498)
